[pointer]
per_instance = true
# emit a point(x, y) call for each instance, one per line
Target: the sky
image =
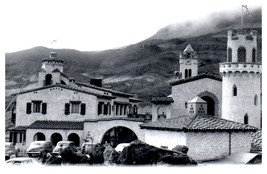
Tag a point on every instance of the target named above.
point(93, 25)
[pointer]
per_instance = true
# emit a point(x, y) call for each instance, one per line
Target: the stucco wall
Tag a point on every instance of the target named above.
point(235, 107)
point(98, 129)
point(207, 145)
point(48, 132)
point(55, 99)
point(240, 142)
point(185, 92)
point(164, 138)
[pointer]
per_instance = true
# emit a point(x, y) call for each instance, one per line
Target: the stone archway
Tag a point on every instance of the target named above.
point(75, 138)
point(212, 103)
point(117, 135)
point(55, 138)
point(39, 137)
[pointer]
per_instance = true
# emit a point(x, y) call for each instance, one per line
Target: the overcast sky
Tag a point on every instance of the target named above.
point(89, 25)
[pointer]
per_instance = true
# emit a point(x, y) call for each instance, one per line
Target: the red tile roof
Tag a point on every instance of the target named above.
point(199, 122)
point(49, 124)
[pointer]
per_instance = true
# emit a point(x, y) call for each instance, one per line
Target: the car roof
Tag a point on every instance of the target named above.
point(20, 159)
point(65, 142)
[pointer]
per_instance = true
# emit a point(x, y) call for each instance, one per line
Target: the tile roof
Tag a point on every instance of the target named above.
point(200, 76)
point(18, 128)
point(199, 122)
point(189, 49)
point(115, 118)
point(256, 144)
point(49, 124)
point(67, 87)
point(158, 100)
point(105, 89)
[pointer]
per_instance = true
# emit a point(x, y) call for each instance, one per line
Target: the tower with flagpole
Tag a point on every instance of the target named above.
point(241, 74)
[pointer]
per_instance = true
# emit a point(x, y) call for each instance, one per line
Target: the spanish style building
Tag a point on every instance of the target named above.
point(62, 109)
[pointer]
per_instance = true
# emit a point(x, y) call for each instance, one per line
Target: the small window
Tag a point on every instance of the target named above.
point(253, 55)
point(67, 108)
point(29, 108)
point(256, 100)
point(234, 90)
point(229, 54)
point(185, 104)
point(36, 106)
point(186, 73)
point(189, 73)
point(241, 52)
point(75, 108)
point(246, 119)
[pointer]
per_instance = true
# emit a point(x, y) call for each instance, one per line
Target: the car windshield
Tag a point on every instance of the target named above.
point(63, 144)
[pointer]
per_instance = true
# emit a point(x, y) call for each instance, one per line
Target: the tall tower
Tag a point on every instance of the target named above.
point(52, 67)
point(241, 74)
point(188, 62)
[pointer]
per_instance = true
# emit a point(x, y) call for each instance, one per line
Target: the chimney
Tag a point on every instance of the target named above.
point(96, 82)
point(53, 54)
point(197, 106)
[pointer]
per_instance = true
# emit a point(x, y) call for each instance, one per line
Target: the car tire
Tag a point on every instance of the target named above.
point(30, 155)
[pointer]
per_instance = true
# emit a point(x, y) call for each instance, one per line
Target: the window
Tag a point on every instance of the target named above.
point(186, 73)
point(229, 54)
point(36, 106)
point(189, 73)
point(234, 90)
point(256, 100)
point(253, 55)
point(241, 52)
point(75, 107)
point(246, 119)
point(188, 55)
point(185, 104)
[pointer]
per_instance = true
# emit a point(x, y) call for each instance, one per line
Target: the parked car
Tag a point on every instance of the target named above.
point(10, 150)
point(121, 146)
point(64, 144)
point(37, 147)
point(22, 161)
point(87, 147)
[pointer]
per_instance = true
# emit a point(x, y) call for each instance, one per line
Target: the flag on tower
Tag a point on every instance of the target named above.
point(246, 7)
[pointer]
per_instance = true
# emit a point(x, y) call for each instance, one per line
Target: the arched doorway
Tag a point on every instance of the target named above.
point(212, 103)
point(117, 135)
point(48, 79)
point(55, 137)
point(75, 138)
point(39, 137)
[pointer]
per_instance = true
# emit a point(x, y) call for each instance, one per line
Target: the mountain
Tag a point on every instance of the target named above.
point(144, 68)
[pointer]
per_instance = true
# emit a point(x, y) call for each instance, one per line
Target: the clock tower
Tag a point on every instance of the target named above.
point(188, 63)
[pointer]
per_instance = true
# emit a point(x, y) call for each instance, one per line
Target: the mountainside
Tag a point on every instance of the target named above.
point(144, 68)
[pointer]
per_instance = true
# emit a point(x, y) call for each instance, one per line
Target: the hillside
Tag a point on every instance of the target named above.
point(144, 68)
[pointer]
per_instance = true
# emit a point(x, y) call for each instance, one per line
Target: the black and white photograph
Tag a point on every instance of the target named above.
point(98, 85)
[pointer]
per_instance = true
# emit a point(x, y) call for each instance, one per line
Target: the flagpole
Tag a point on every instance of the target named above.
point(241, 16)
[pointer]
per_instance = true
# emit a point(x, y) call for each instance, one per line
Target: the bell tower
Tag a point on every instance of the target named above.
point(52, 67)
point(188, 62)
point(241, 74)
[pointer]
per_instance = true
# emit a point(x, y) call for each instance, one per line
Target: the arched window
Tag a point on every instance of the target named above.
point(229, 54)
point(186, 73)
point(241, 52)
point(189, 73)
point(234, 90)
point(246, 119)
point(256, 100)
point(253, 55)
point(48, 79)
